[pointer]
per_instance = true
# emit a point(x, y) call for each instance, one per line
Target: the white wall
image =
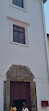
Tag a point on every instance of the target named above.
point(32, 55)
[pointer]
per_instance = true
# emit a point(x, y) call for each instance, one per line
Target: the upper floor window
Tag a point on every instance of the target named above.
point(18, 3)
point(18, 34)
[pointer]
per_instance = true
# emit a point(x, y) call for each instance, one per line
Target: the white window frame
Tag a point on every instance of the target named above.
point(18, 7)
point(20, 24)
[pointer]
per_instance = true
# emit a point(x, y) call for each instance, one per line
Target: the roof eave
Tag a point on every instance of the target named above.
point(44, 1)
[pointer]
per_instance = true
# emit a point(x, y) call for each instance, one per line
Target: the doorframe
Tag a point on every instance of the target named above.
point(21, 74)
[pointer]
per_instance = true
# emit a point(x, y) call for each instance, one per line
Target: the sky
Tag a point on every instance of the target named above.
point(46, 12)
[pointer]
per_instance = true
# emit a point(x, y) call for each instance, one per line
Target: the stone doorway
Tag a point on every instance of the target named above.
point(18, 73)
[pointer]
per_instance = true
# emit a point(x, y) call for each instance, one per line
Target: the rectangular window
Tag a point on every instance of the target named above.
point(18, 3)
point(18, 34)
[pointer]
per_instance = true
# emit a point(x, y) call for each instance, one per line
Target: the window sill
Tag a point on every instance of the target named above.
point(17, 7)
point(25, 45)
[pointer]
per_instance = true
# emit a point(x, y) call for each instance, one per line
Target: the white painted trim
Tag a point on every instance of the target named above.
point(21, 24)
point(17, 20)
point(19, 44)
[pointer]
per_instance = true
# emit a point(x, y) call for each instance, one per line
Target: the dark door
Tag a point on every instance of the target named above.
point(20, 92)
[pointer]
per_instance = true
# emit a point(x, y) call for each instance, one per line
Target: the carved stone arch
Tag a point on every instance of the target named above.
point(20, 73)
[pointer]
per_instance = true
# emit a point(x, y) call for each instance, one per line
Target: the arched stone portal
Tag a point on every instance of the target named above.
point(20, 73)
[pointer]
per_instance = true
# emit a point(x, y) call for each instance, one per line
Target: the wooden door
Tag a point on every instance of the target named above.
point(19, 92)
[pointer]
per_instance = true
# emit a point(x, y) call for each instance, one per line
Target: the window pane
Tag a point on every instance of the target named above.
point(15, 2)
point(14, 27)
point(21, 38)
point(15, 37)
point(21, 29)
point(18, 34)
point(22, 41)
point(18, 2)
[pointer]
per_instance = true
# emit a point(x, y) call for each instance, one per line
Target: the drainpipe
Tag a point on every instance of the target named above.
point(45, 36)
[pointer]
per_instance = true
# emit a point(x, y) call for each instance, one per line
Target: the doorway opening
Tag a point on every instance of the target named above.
point(18, 103)
point(19, 93)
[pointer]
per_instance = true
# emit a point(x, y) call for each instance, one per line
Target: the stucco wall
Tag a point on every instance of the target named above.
point(35, 51)
point(34, 54)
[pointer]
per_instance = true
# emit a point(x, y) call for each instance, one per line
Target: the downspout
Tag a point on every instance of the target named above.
point(45, 36)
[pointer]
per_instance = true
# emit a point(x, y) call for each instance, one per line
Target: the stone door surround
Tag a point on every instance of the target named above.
point(20, 73)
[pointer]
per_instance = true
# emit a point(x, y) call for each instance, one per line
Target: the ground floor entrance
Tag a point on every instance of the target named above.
point(19, 93)
point(20, 88)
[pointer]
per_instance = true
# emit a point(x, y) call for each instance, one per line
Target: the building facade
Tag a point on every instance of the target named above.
point(23, 55)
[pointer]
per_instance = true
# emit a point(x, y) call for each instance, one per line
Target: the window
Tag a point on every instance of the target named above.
point(18, 31)
point(18, 34)
point(18, 3)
